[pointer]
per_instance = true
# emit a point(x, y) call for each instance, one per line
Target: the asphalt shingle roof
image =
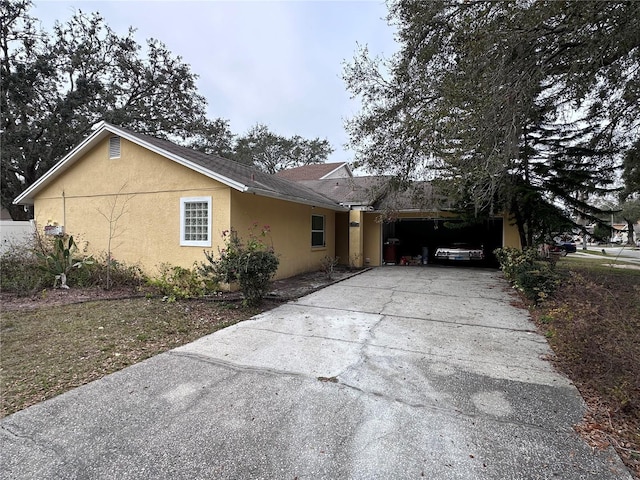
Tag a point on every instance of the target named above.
point(257, 181)
point(332, 193)
point(314, 171)
point(375, 192)
point(349, 190)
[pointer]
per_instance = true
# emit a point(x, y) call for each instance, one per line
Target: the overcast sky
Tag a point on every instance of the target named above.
point(278, 63)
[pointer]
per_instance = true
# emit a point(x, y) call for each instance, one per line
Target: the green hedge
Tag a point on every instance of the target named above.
point(535, 277)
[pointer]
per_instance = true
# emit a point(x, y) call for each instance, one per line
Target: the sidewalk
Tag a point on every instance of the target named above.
point(612, 255)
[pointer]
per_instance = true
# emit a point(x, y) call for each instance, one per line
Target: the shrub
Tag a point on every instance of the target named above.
point(602, 233)
point(29, 267)
point(21, 273)
point(62, 260)
point(535, 278)
point(328, 265)
point(102, 274)
point(252, 264)
point(177, 282)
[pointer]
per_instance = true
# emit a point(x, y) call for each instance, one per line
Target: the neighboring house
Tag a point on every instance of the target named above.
point(317, 171)
point(620, 233)
point(167, 203)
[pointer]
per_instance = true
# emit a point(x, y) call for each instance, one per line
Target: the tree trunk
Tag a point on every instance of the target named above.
point(630, 234)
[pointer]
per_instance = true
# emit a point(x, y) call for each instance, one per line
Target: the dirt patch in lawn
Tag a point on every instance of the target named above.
point(61, 339)
point(593, 326)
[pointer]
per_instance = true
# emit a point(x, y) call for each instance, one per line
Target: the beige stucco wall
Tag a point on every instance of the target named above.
point(510, 235)
point(148, 232)
point(372, 240)
point(290, 225)
point(356, 238)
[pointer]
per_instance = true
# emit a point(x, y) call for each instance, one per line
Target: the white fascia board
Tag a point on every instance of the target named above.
point(357, 206)
point(343, 164)
point(362, 208)
point(26, 197)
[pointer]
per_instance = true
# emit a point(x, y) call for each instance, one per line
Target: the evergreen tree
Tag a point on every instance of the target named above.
point(519, 106)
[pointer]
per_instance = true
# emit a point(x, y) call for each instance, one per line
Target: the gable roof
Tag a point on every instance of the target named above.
point(375, 192)
point(233, 174)
point(314, 171)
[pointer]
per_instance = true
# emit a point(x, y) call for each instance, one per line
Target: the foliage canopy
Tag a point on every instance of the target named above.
point(526, 107)
point(56, 85)
point(270, 152)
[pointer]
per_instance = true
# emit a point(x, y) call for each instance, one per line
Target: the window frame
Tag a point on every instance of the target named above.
point(323, 231)
point(194, 243)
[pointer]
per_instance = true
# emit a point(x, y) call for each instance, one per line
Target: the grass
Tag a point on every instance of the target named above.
point(48, 351)
point(600, 261)
point(593, 325)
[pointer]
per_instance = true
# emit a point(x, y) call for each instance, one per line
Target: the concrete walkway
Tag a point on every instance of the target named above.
point(401, 372)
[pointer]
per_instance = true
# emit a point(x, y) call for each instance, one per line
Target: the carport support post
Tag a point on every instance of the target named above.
point(356, 238)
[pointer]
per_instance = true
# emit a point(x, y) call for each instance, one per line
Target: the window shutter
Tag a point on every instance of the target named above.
point(114, 147)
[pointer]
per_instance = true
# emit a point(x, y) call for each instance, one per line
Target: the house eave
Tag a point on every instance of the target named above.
point(102, 130)
point(27, 197)
point(180, 160)
point(303, 201)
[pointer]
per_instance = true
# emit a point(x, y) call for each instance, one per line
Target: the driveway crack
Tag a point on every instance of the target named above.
point(363, 356)
point(6, 430)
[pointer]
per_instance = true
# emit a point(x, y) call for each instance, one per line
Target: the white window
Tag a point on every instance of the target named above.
point(317, 231)
point(195, 221)
point(114, 147)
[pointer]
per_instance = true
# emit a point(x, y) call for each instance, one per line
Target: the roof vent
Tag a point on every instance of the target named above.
point(114, 147)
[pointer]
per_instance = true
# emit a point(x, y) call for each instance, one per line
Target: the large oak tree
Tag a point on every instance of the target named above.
point(56, 86)
point(270, 152)
point(526, 107)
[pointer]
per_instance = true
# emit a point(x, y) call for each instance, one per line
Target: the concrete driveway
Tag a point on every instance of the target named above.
point(400, 372)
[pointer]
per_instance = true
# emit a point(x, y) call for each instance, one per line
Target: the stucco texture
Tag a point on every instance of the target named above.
point(290, 226)
point(140, 193)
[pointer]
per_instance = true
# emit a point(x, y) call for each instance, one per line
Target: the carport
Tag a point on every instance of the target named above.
point(417, 238)
point(383, 226)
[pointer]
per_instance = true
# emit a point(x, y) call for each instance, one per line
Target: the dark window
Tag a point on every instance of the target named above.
point(317, 231)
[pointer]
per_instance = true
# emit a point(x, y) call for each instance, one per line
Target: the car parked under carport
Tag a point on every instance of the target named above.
point(415, 240)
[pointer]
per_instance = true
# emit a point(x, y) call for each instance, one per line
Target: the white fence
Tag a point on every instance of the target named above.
point(15, 233)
